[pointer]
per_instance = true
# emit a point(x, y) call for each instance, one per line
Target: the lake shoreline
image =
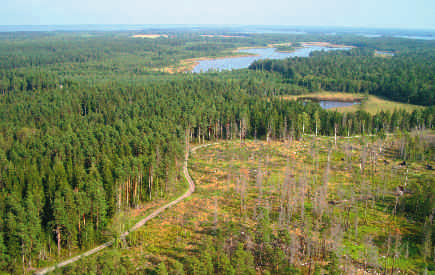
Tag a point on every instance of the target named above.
point(326, 98)
point(189, 65)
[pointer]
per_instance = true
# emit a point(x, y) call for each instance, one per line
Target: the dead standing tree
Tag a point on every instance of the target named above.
point(243, 176)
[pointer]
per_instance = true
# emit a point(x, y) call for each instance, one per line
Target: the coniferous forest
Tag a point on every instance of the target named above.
point(91, 127)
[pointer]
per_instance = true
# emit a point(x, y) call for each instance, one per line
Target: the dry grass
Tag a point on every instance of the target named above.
point(184, 66)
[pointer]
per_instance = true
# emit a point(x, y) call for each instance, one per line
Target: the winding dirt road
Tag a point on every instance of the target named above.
point(139, 224)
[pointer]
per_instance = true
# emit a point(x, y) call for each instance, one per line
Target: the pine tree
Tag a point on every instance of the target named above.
point(60, 219)
point(4, 255)
point(242, 261)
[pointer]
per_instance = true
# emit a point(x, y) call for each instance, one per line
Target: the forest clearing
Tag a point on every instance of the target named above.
point(312, 205)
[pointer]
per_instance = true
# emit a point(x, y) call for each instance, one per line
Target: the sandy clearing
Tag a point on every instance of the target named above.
point(152, 36)
point(219, 35)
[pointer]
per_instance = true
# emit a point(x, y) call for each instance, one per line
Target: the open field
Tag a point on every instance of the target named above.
point(371, 104)
point(375, 104)
point(182, 67)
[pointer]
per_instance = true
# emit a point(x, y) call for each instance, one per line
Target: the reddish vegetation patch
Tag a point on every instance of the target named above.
point(218, 35)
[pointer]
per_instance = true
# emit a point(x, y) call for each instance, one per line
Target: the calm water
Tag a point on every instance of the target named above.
point(385, 53)
point(370, 35)
point(261, 53)
point(335, 104)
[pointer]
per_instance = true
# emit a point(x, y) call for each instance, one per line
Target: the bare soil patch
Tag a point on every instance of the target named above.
point(150, 36)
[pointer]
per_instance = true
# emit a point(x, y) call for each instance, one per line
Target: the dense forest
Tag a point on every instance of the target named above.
point(89, 127)
point(405, 77)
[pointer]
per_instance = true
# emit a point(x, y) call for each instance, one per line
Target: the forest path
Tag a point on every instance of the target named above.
point(137, 225)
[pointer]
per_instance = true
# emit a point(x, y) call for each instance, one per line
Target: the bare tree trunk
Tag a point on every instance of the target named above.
point(127, 191)
point(240, 131)
point(58, 240)
point(119, 197)
point(150, 181)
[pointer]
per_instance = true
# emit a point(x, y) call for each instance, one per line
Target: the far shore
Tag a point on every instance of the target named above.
point(325, 44)
point(303, 44)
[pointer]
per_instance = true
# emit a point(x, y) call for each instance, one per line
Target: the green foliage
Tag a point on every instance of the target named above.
point(162, 269)
point(224, 265)
point(406, 77)
point(243, 261)
point(88, 127)
point(178, 268)
point(333, 267)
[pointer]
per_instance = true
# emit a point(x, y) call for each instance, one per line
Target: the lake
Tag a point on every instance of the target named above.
point(232, 63)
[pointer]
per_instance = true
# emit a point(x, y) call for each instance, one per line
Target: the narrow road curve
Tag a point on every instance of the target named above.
point(139, 224)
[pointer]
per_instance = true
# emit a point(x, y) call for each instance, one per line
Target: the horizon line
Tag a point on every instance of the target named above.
point(226, 25)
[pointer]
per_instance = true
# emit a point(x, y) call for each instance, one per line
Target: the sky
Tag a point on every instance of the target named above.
point(405, 14)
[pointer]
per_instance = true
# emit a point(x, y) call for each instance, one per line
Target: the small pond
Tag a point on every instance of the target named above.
point(335, 104)
point(232, 63)
point(385, 53)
